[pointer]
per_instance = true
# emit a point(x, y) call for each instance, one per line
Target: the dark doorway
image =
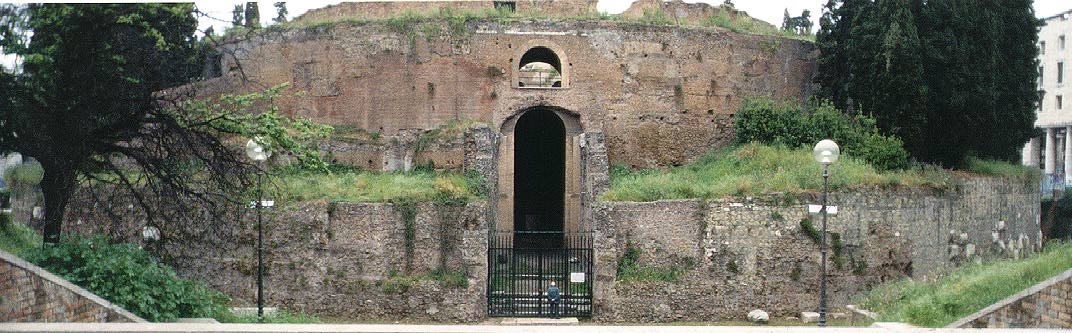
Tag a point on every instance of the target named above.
point(539, 179)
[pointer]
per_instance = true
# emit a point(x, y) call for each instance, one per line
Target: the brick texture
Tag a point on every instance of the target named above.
point(28, 293)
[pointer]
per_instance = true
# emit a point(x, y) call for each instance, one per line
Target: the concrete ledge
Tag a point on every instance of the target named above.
point(63, 283)
point(1012, 299)
point(304, 328)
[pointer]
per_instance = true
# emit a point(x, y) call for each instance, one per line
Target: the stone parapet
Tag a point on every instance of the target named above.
point(1047, 304)
point(28, 293)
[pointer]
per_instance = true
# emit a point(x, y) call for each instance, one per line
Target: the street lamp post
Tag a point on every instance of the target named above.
point(826, 153)
point(259, 153)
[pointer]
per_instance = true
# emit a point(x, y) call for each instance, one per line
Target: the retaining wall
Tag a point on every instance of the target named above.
point(360, 261)
point(29, 293)
point(753, 253)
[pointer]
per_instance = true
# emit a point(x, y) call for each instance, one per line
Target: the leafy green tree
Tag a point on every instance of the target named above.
point(93, 104)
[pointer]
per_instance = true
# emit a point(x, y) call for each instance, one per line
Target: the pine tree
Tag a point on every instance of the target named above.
point(787, 22)
point(951, 78)
point(890, 81)
point(238, 16)
point(804, 23)
point(253, 15)
point(281, 10)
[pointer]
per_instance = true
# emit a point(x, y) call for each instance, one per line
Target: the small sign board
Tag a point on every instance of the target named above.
point(818, 209)
point(576, 277)
point(264, 203)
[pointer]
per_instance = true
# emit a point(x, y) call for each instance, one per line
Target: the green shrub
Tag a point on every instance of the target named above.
point(766, 121)
point(129, 277)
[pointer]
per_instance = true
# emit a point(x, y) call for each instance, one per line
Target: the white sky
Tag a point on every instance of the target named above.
point(219, 12)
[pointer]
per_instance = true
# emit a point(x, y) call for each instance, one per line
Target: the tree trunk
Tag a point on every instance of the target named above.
point(56, 187)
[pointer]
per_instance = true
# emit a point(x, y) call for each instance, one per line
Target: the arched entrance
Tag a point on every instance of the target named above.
point(539, 179)
point(537, 239)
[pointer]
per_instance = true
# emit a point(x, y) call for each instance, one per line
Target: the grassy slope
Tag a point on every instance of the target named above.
point(17, 238)
point(966, 290)
point(755, 169)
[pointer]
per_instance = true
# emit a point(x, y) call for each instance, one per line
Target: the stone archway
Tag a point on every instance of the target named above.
point(551, 136)
point(539, 178)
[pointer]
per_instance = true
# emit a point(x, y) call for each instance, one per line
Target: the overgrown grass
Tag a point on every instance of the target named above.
point(746, 24)
point(16, 238)
point(400, 283)
point(965, 290)
point(1001, 168)
point(363, 186)
point(753, 169)
point(456, 20)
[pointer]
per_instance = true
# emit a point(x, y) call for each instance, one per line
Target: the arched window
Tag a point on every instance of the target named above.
point(540, 67)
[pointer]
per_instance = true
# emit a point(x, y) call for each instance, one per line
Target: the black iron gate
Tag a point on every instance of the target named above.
point(522, 264)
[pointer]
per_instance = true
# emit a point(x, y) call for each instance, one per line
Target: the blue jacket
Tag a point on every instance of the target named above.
point(553, 294)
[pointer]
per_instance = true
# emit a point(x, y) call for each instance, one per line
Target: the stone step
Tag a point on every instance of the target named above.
point(540, 321)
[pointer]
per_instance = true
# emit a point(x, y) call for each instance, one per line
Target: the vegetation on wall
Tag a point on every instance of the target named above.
point(457, 20)
point(630, 270)
point(347, 184)
point(753, 169)
point(936, 303)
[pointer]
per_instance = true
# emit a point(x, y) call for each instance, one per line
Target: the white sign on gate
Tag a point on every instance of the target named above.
point(576, 277)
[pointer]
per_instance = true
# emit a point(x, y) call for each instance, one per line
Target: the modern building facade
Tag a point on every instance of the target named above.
point(1053, 150)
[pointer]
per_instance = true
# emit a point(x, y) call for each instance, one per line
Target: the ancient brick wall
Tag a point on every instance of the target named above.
point(1045, 305)
point(752, 253)
point(361, 261)
point(28, 293)
point(661, 95)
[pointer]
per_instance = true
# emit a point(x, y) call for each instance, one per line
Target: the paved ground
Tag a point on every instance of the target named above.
point(305, 328)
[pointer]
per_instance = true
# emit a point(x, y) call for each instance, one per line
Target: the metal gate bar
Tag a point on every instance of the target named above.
point(522, 264)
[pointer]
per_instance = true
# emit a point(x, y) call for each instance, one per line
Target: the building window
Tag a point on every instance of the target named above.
point(1061, 42)
point(1040, 80)
point(540, 67)
point(1042, 47)
point(1060, 72)
point(1060, 102)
